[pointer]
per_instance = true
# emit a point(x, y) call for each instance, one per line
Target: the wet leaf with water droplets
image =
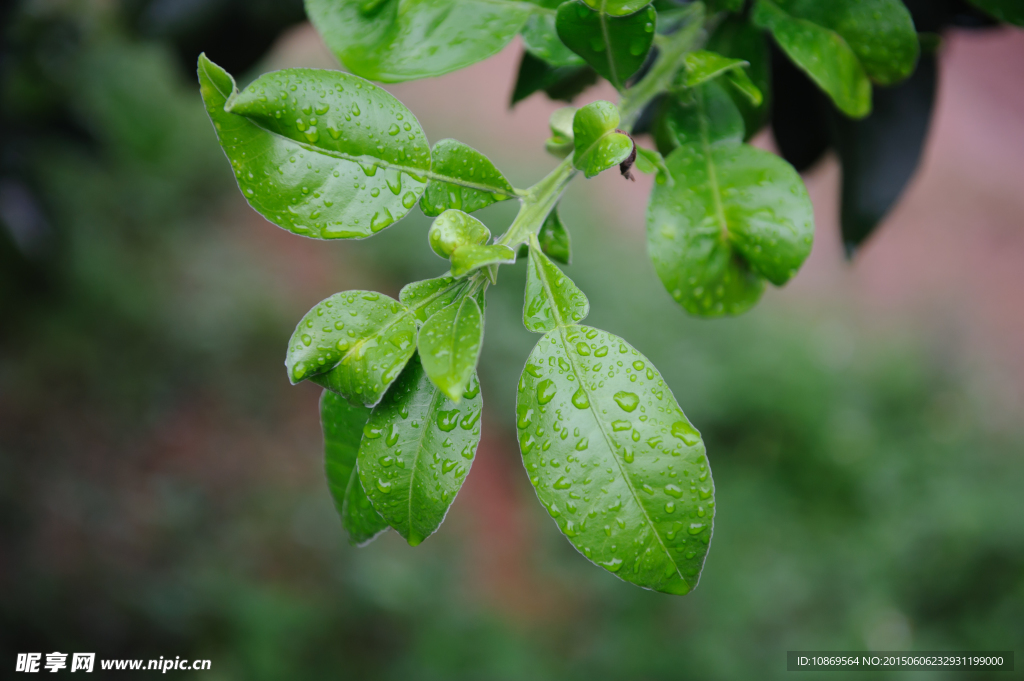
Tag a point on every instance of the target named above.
point(430, 295)
point(412, 475)
point(737, 37)
point(467, 259)
point(742, 215)
point(540, 38)
point(457, 160)
point(354, 343)
point(639, 499)
point(401, 40)
point(343, 424)
point(554, 239)
point(597, 145)
point(449, 346)
point(615, 46)
point(618, 8)
point(552, 299)
point(329, 175)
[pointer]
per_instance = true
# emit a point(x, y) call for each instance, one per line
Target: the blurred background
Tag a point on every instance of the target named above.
point(161, 483)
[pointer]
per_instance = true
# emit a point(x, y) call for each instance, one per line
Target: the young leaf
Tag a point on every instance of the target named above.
point(416, 450)
point(430, 295)
point(453, 229)
point(466, 259)
point(618, 8)
point(615, 46)
point(449, 346)
point(614, 459)
point(306, 145)
point(540, 38)
point(1010, 11)
point(354, 343)
point(649, 161)
point(397, 40)
point(741, 214)
point(554, 239)
point(343, 428)
point(702, 65)
point(552, 299)
point(562, 83)
point(738, 38)
point(482, 184)
point(560, 144)
point(742, 83)
point(597, 145)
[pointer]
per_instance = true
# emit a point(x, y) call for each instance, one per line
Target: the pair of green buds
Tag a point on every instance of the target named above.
point(462, 239)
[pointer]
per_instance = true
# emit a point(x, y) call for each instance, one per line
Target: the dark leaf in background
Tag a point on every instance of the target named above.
point(880, 153)
point(561, 83)
point(738, 38)
point(1010, 11)
point(799, 114)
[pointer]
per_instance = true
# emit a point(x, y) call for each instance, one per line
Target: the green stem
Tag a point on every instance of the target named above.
point(539, 201)
point(670, 53)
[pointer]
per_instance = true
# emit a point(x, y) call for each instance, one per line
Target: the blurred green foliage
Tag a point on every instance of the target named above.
point(866, 496)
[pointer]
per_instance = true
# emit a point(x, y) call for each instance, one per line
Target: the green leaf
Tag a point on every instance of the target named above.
point(705, 113)
point(306, 146)
point(430, 295)
point(482, 183)
point(739, 214)
point(737, 37)
point(416, 450)
point(466, 259)
point(725, 5)
point(614, 460)
point(397, 40)
point(597, 145)
point(615, 46)
point(880, 32)
point(453, 229)
point(1010, 11)
point(343, 429)
point(618, 8)
point(552, 299)
point(449, 346)
point(562, 83)
point(703, 65)
point(821, 53)
point(560, 143)
point(354, 343)
point(554, 239)
point(739, 79)
point(540, 38)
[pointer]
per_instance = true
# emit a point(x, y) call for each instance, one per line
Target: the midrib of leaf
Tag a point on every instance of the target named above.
point(603, 20)
point(419, 448)
point(362, 341)
point(455, 336)
point(611, 448)
point(712, 174)
point(437, 294)
point(373, 160)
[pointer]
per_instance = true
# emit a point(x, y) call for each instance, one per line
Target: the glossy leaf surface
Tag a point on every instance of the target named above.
point(614, 460)
point(397, 40)
point(703, 65)
point(554, 239)
point(342, 424)
point(469, 258)
point(552, 299)
point(881, 33)
point(323, 154)
point(706, 113)
point(449, 346)
point(354, 343)
point(821, 53)
point(735, 214)
point(615, 46)
point(453, 229)
point(482, 183)
point(416, 451)
point(430, 295)
point(597, 146)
